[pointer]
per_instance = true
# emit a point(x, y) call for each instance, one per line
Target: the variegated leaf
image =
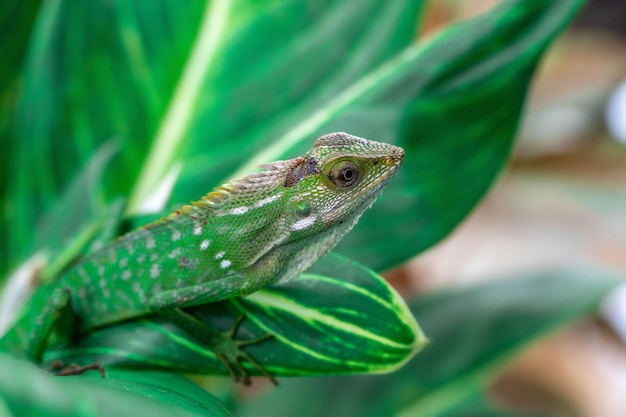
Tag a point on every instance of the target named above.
point(338, 318)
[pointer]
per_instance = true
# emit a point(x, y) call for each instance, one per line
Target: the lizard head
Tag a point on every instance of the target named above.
point(326, 191)
point(335, 182)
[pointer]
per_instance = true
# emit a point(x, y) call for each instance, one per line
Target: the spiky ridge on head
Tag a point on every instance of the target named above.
point(271, 177)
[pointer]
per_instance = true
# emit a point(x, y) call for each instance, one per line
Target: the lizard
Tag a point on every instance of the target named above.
point(262, 229)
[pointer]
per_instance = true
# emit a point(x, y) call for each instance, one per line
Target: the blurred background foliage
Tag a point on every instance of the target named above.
point(91, 93)
point(559, 202)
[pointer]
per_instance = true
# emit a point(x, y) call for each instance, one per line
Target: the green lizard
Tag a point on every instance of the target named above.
point(262, 229)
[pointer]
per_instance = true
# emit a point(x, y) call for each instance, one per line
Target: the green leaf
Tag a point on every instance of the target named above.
point(473, 332)
point(182, 85)
point(28, 390)
point(338, 318)
point(16, 21)
point(80, 216)
point(454, 103)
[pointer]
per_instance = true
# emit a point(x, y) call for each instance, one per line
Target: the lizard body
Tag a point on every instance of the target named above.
point(265, 228)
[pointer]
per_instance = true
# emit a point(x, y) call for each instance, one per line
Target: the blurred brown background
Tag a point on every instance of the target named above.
point(562, 201)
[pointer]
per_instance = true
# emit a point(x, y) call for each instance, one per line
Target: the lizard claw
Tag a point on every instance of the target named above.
point(229, 351)
point(60, 369)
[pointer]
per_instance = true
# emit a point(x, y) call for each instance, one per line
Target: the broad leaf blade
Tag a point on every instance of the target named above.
point(454, 104)
point(339, 318)
point(120, 393)
point(473, 332)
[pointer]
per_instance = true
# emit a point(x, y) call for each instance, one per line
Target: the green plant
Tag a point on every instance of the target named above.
point(179, 97)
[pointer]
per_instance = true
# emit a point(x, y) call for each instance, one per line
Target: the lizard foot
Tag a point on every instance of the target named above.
point(229, 351)
point(60, 369)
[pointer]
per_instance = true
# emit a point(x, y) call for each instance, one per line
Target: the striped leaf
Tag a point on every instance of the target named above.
point(474, 332)
point(338, 318)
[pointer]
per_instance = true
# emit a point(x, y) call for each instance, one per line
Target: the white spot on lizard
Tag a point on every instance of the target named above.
point(176, 235)
point(141, 258)
point(126, 275)
point(205, 244)
point(220, 254)
point(239, 210)
point(83, 275)
point(267, 200)
point(225, 264)
point(155, 271)
point(123, 262)
point(173, 254)
point(197, 230)
point(150, 242)
point(303, 223)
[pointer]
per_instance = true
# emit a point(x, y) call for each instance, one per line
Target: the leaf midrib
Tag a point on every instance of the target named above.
point(176, 119)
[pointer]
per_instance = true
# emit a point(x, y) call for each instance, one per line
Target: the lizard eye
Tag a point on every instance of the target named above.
point(344, 173)
point(303, 209)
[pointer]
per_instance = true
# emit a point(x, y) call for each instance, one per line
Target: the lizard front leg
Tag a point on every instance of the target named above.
point(170, 304)
point(227, 349)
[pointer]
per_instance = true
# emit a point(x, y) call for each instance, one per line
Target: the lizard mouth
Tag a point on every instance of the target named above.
point(392, 164)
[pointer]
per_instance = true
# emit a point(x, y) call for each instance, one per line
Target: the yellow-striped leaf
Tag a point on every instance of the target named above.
point(339, 318)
